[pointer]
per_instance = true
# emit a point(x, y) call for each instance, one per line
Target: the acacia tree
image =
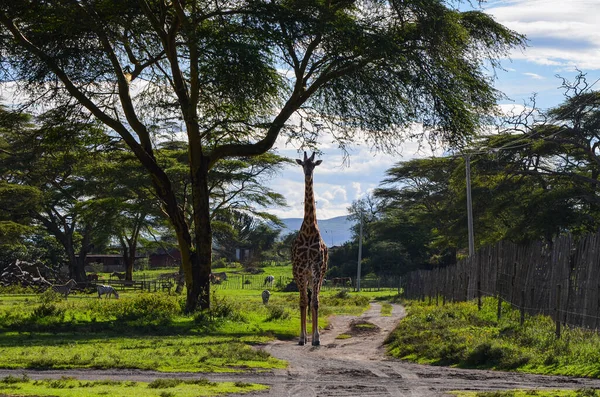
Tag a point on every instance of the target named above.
point(371, 67)
point(46, 159)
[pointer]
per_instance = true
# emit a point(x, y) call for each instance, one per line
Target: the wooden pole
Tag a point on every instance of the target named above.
point(467, 289)
point(479, 295)
point(499, 314)
point(557, 317)
point(532, 300)
point(522, 306)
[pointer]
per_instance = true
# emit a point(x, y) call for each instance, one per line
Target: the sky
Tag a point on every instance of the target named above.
point(563, 36)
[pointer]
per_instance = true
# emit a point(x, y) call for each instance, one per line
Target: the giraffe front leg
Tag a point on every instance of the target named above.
point(316, 341)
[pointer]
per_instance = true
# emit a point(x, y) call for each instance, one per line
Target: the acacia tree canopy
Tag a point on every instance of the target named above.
point(140, 66)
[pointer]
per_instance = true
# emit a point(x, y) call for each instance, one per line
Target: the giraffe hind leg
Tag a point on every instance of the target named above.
point(316, 289)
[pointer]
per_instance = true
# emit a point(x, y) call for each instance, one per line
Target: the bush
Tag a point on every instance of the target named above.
point(48, 310)
point(145, 308)
point(277, 313)
point(50, 296)
point(220, 309)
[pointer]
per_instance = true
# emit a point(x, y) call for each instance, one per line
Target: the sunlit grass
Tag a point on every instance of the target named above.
point(148, 331)
point(457, 334)
point(343, 336)
point(68, 387)
point(386, 309)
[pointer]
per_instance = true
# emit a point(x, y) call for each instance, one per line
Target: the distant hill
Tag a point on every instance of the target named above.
point(334, 231)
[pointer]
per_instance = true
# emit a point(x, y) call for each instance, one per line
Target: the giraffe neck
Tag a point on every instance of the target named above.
point(310, 211)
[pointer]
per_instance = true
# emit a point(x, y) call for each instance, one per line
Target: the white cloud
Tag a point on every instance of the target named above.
point(561, 33)
point(534, 76)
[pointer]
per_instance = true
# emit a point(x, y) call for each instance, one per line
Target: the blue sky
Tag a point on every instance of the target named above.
point(563, 35)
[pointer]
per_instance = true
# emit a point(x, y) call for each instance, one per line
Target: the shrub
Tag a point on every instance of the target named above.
point(11, 380)
point(48, 310)
point(49, 296)
point(145, 308)
point(220, 309)
point(485, 354)
point(277, 313)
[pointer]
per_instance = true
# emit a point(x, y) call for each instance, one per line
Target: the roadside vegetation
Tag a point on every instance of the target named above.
point(457, 334)
point(149, 331)
point(70, 387)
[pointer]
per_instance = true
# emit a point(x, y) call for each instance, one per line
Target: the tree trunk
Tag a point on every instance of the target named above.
point(76, 262)
point(199, 294)
point(129, 250)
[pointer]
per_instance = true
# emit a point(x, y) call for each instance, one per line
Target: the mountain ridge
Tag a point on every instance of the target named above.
point(334, 231)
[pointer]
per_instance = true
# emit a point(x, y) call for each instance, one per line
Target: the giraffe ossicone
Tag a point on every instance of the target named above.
point(309, 255)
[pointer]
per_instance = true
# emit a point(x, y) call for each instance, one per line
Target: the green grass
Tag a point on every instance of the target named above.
point(528, 393)
point(459, 335)
point(386, 309)
point(365, 326)
point(343, 336)
point(148, 331)
point(67, 387)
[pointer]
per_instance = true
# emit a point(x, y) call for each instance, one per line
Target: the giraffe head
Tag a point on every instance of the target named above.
point(309, 164)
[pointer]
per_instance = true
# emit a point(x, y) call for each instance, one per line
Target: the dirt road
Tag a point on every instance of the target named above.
point(355, 366)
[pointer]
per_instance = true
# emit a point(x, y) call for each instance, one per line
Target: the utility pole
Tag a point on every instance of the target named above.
point(359, 252)
point(469, 206)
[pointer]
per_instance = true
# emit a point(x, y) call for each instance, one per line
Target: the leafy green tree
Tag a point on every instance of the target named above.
point(43, 164)
point(555, 157)
point(137, 65)
point(245, 231)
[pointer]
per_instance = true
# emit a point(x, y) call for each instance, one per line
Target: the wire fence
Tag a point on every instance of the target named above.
point(560, 279)
point(260, 282)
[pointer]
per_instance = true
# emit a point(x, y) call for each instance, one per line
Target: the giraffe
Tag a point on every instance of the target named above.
point(309, 255)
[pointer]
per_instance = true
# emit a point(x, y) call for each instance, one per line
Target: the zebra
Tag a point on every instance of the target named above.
point(108, 290)
point(120, 276)
point(269, 280)
point(265, 296)
point(64, 289)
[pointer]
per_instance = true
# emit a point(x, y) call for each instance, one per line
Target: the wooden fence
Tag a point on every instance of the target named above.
point(561, 279)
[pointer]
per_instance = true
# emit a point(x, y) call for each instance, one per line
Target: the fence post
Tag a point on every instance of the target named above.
point(532, 301)
point(499, 314)
point(557, 317)
point(243, 276)
point(479, 295)
point(597, 308)
point(467, 289)
point(522, 306)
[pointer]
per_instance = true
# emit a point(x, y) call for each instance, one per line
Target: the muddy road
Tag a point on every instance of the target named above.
point(348, 366)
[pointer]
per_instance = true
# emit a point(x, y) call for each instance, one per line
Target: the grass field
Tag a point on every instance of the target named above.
point(68, 387)
point(147, 330)
point(457, 334)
